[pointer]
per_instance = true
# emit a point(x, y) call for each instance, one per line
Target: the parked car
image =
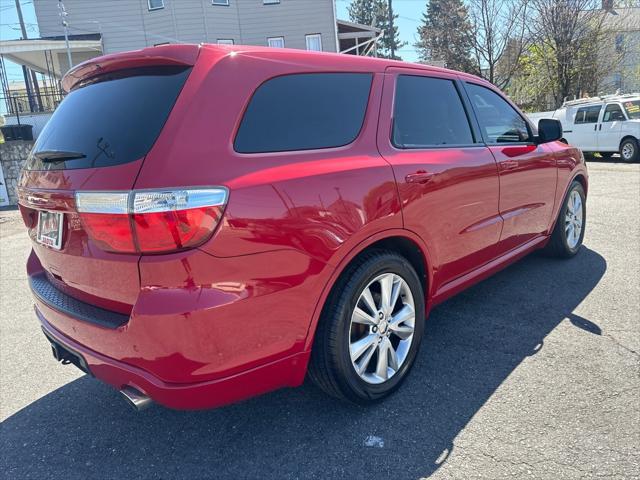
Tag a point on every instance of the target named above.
point(607, 125)
point(211, 223)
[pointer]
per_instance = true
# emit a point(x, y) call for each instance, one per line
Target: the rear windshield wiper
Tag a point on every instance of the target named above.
point(58, 155)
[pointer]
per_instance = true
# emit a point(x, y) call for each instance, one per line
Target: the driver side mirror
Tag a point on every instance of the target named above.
point(549, 130)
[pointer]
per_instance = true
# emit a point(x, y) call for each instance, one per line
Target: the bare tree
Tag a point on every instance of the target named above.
point(572, 34)
point(500, 37)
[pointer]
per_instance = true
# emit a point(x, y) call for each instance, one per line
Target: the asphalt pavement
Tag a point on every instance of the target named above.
point(534, 373)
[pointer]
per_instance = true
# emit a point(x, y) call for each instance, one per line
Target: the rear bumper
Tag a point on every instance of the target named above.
point(196, 318)
point(287, 371)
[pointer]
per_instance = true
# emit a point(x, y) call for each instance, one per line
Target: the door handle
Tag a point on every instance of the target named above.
point(509, 164)
point(595, 127)
point(420, 176)
point(600, 128)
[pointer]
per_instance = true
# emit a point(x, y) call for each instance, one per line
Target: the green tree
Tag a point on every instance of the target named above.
point(446, 35)
point(375, 13)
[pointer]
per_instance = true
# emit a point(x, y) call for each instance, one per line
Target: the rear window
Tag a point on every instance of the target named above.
point(111, 120)
point(304, 112)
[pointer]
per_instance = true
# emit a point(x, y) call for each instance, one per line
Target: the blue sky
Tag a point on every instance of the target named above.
point(409, 12)
point(10, 28)
point(409, 17)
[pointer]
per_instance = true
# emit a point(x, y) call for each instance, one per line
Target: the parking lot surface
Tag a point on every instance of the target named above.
point(534, 373)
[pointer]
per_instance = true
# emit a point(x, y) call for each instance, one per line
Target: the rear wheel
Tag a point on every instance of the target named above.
point(370, 329)
point(629, 151)
point(568, 233)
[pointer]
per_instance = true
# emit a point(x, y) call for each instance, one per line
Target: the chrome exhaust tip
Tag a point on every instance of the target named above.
point(138, 400)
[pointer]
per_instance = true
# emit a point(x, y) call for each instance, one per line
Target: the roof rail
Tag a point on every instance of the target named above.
point(600, 98)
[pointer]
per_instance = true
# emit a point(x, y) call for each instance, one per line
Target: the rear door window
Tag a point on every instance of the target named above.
point(111, 120)
point(428, 112)
point(303, 112)
point(588, 114)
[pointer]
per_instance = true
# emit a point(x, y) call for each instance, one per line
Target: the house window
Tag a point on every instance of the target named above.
point(314, 42)
point(225, 41)
point(220, 2)
point(155, 4)
point(276, 42)
point(619, 43)
point(270, 2)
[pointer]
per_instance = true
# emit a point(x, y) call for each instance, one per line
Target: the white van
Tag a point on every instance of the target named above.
point(608, 125)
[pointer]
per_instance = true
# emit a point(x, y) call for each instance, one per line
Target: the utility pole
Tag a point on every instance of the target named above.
point(33, 105)
point(391, 31)
point(65, 24)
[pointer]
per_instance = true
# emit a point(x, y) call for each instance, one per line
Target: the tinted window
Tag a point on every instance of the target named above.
point(499, 122)
point(112, 120)
point(427, 112)
point(613, 113)
point(303, 112)
point(588, 114)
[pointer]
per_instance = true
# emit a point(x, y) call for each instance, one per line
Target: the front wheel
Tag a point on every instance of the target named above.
point(629, 151)
point(370, 329)
point(568, 233)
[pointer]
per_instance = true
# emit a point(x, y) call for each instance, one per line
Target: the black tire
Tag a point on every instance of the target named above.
point(629, 144)
point(606, 154)
point(558, 245)
point(330, 367)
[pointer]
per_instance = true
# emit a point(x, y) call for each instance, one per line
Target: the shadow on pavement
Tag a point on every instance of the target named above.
point(472, 344)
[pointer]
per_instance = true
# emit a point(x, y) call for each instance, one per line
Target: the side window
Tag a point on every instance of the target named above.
point(499, 122)
point(428, 112)
point(613, 113)
point(304, 112)
point(588, 114)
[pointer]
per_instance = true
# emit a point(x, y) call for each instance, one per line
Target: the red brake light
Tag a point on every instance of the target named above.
point(164, 231)
point(151, 221)
point(109, 231)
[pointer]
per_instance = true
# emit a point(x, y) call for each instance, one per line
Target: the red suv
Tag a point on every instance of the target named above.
point(210, 223)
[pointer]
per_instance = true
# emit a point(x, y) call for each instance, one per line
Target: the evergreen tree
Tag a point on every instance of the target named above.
point(446, 35)
point(375, 13)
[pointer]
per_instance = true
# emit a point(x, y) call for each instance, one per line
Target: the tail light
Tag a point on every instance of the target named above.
point(145, 221)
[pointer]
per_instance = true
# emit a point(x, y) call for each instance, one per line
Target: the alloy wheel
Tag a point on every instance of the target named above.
point(382, 328)
point(573, 219)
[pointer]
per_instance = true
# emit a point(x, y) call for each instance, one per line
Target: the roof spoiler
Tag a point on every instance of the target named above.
point(169, 55)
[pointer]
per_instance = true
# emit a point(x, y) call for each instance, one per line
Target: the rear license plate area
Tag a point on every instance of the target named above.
point(49, 231)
